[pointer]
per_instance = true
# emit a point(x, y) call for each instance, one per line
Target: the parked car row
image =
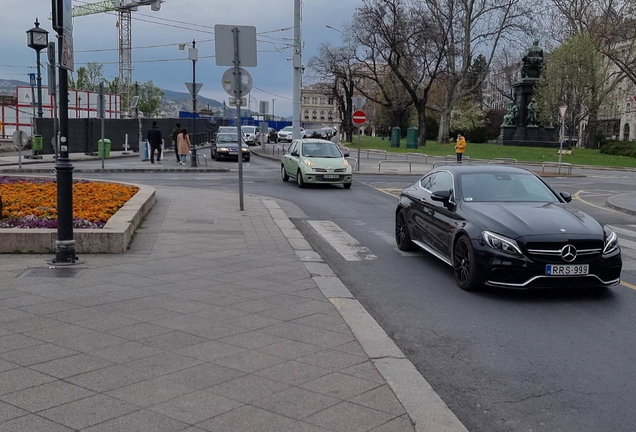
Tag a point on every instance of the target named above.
point(252, 134)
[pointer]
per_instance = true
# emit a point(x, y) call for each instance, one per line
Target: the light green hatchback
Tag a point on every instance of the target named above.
point(316, 161)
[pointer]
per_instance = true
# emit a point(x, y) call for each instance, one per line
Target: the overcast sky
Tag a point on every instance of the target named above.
point(180, 21)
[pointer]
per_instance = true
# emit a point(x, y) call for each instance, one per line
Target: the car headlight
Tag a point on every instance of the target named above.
point(222, 148)
point(501, 243)
point(611, 241)
point(345, 163)
point(245, 149)
point(308, 162)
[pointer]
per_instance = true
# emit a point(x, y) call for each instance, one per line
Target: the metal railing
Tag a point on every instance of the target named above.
point(355, 162)
point(394, 161)
point(454, 157)
point(556, 164)
point(377, 152)
point(503, 161)
point(424, 155)
point(199, 154)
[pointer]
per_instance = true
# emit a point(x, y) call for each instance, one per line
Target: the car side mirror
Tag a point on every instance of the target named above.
point(346, 155)
point(294, 153)
point(442, 196)
point(566, 196)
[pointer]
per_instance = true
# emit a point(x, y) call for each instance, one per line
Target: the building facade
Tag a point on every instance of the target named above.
point(317, 109)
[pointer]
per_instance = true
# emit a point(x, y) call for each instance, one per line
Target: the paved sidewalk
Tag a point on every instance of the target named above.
point(215, 320)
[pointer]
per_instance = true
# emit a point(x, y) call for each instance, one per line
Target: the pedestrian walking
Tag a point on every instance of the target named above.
point(183, 146)
point(175, 133)
point(460, 147)
point(155, 140)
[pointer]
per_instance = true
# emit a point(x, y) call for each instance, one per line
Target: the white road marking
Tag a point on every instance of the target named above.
point(622, 231)
point(348, 247)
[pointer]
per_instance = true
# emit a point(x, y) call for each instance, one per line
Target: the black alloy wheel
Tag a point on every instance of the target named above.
point(283, 173)
point(402, 236)
point(464, 265)
point(299, 179)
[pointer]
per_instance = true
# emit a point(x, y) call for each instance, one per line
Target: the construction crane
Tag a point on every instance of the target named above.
point(124, 9)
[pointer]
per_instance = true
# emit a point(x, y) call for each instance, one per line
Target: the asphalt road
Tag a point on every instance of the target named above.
point(502, 360)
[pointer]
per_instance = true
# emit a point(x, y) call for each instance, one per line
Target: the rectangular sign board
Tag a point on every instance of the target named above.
point(233, 101)
point(224, 45)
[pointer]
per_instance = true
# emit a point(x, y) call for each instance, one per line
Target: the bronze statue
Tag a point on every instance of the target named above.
point(532, 113)
point(510, 119)
point(532, 61)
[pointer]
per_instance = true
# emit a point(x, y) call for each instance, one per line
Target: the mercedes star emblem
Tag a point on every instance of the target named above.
point(568, 253)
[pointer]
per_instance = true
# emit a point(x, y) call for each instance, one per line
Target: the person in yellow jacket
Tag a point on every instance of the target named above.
point(460, 147)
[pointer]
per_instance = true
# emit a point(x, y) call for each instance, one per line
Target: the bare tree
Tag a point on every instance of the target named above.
point(474, 27)
point(332, 69)
point(402, 35)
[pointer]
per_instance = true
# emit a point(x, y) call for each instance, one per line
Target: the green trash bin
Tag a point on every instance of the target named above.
point(103, 149)
point(36, 142)
point(396, 134)
point(412, 135)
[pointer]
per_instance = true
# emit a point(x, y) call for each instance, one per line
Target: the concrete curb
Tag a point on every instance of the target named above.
point(611, 203)
point(111, 170)
point(114, 238)
point(428, 412)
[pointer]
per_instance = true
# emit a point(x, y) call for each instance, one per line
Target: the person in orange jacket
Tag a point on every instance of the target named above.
point(460, 147)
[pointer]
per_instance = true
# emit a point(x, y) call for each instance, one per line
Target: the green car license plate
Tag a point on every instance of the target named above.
point(567, 269)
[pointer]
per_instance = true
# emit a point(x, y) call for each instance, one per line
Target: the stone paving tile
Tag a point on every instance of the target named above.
point(250, 321)
point(58, 332)
point(73, 365)
point(28, 322)
point(196, 407)
point(150, 392)
point(326, 322)
point(290, 349)
point(296, 403)
point(5, 366)
point(88, 412)
point(381, 399)
point(331, 359)
point(352, 348)
point(173, 340)
point(248, 388)
point(24, 300)
point(12, 342)
point(32, 423)
point(246, 419)
point(293, 372)
point(125, 352)
point(204, 375)
point(107, 323)
point(46, 396)
point(340, 386)
point(22, 378)
point(326, 338)
point(302, 427)
point(399, 424)
point(139, 331)
point(365, 370)
point(91, 342)
point(251, 340)
point(37, 354)
point(164, 363)
point(108, 378)
point(8, 412)
point(348, 417)
point(253, 306)
point(139, 421)
point(249, 361)
point(209, 351)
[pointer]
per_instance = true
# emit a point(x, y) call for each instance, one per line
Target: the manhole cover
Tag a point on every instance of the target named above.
point(57, 272)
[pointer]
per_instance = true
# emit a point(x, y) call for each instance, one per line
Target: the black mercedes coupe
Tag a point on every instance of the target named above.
point(505, 227)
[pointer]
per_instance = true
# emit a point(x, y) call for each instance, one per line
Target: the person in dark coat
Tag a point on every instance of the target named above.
point(175, 133)
point(155, 140)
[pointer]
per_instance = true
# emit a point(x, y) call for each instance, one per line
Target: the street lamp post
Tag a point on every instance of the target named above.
point(38, 39)
point(193, 54)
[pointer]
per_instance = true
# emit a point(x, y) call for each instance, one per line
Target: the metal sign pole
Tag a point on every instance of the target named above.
point(358, 160)
point(561, 141)
point(239, 133)
point(101, 114)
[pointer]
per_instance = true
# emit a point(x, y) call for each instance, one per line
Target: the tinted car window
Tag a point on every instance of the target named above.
point(427, 181)
point(226, 137)
point(292, 148)
point(489, 187)
point(443, 181)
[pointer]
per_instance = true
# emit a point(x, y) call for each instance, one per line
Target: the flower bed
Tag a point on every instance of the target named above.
point(32, 203)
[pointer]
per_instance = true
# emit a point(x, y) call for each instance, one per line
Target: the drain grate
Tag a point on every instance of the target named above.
point(201, 221)
point(56, 272)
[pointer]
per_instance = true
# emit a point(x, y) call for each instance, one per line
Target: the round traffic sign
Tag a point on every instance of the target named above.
point(359, 118)
point(228, 81)
point(20, 138)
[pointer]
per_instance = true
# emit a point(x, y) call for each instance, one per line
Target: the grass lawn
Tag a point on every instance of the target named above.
point(579, 156)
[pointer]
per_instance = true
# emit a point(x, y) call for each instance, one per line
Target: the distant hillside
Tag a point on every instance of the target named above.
point(7, 87)
point(186, 97)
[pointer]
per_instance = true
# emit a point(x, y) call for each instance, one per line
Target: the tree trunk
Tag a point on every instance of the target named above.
point(589, 134)
point(421, 122)
point(443, 136)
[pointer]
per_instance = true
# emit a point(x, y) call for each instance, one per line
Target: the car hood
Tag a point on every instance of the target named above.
point(327, 163)
point(229, 144)
point(516, 220)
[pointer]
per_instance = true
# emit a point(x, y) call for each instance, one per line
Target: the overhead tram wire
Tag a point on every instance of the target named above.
point(270, 93)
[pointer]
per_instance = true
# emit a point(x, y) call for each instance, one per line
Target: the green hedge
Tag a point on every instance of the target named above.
point(620, 148)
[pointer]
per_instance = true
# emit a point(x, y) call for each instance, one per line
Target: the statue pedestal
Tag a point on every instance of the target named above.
point(532, 133)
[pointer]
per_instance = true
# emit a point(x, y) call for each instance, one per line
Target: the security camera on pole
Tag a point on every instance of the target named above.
point(236, 46)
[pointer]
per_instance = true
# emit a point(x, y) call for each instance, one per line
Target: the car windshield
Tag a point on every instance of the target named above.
point(225, 129)
point(503, 186)
point(248, 129)
point(321, 150)
point(226, 137)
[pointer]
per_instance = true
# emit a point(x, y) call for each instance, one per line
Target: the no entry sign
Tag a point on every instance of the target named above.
point(359, 118)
